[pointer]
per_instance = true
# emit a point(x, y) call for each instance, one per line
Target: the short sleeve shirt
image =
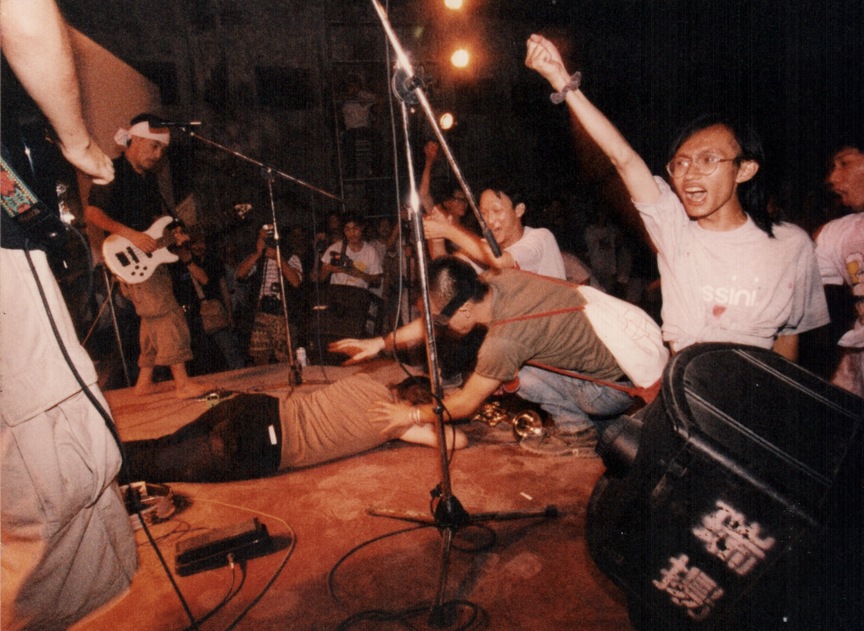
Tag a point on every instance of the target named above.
point(739, 286)
point(533, 319)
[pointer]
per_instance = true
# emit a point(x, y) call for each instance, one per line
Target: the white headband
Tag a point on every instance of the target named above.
point(142, 129)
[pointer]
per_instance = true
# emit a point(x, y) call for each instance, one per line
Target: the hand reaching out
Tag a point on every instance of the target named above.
point(358, 350)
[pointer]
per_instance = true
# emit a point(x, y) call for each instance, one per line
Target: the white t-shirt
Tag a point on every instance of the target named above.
point(739, 286)
point(366, 260)
point(840, 252)
point(537, 251)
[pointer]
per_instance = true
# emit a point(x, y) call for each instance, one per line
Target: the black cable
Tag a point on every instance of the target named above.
point(357, 548)
point(269, 584)
point(109, 423)
point(402, 616)
point(231, 593)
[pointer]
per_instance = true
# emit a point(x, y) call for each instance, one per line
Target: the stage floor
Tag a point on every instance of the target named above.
point(536, 575)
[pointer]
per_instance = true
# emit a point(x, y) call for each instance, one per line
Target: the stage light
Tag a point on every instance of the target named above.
point(460, 58)
point(455, 5)
point(446, 121)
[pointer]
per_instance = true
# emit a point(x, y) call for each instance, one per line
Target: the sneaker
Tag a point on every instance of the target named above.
point(555, 442)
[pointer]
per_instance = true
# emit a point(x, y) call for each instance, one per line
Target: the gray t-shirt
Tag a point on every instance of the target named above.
point(332, 422)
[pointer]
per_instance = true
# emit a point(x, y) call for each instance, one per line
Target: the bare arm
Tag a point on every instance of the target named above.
point(411, 335)
point(289, 273)
point(787, 346)
point(196, 271)
point(460, 404)
point(247, 265)
point(437, 227)
point(95, 216)
point(543, 57)
point(425, 192)
point(35, 40)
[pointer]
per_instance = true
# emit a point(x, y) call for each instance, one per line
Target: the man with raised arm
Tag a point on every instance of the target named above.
point(728, 272)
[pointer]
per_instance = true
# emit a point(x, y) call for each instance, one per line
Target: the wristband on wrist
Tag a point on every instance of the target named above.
point(414, 415)
point(389, 344)
point(572, 85)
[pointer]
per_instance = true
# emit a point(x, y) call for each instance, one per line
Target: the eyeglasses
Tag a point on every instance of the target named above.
point(459, 198)
point(704, 164)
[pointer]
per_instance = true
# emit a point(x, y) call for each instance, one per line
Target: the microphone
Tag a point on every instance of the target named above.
point(164, 123)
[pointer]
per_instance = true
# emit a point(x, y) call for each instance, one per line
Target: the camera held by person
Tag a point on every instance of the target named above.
point(340, 259)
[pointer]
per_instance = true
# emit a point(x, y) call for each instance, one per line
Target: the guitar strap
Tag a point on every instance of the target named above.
point(646, 394)
point(32, 216)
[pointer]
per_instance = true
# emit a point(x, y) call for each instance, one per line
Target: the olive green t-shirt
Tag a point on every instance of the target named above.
point(563, 340)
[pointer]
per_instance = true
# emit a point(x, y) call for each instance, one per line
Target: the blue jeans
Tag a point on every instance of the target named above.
point(572, 403)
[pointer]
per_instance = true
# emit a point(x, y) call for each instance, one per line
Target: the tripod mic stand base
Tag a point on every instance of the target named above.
point(422, 518)
point(295, 376)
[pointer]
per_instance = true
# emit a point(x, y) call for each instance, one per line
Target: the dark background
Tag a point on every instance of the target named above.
point(264, 77)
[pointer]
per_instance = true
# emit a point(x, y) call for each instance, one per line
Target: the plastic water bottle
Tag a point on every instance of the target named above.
point(301, 357)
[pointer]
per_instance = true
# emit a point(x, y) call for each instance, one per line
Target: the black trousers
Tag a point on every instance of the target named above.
point(231, 441)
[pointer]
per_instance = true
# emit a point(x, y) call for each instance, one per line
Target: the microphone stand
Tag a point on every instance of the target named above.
point(109, 291)
point(268, 172)
point(449, 514)
point(409, 87)
point(295, 378)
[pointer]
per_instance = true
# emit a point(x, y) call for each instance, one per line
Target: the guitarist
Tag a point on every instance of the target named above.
point(127, 207)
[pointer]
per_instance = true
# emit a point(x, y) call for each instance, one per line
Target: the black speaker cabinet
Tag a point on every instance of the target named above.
point(341, 312)
point(734, 500)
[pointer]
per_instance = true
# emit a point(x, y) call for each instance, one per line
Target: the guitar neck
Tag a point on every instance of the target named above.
point(166, 240)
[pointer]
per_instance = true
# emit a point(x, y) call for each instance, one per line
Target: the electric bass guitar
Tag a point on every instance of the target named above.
point(133, 265)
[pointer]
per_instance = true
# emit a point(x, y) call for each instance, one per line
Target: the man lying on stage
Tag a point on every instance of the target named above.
point(255, 435)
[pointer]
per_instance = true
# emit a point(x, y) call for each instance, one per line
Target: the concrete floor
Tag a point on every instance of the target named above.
point(536, 574)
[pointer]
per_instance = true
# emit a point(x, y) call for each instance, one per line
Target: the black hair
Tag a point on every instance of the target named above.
point(452, 278)
point(415, 390)
point(751, 194)
point(847, 141)
point(353, 218)
point(506, 186)
point(152, 119)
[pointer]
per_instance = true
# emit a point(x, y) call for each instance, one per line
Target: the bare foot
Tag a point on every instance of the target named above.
point(192, 390)
point(143, 389)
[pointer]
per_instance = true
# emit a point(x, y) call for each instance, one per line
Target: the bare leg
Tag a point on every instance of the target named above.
point(145, 384)
point(186, 388)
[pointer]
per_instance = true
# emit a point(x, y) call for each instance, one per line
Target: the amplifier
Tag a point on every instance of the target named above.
point(734, 500)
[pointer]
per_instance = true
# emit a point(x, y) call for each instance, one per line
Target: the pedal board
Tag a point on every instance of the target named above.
point(210, 550)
